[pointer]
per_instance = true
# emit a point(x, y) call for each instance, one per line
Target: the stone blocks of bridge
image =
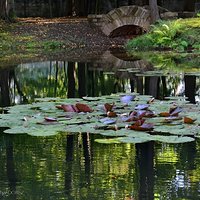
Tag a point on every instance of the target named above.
point(123, 16)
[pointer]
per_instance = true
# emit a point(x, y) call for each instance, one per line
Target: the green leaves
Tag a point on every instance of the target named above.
point(135, 118)
point(178, 35)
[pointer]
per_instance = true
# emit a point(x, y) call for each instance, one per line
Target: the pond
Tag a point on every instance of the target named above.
point(75, 166)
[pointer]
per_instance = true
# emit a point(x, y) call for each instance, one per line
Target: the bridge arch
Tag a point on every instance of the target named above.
point(127, 19)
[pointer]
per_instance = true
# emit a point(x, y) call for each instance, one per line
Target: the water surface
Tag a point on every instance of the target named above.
point(69, 166)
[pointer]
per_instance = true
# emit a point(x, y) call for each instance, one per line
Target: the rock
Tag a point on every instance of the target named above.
point(169, 15)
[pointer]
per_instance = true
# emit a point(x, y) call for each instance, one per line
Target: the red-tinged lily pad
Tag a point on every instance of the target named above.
point(108, 107)
point(129, 119)
point(111, 114)
point(83, 107)
point(139, 122)
point(143, 127)
point(164, 114)
point(69, 108)
point(136, 115)
point(188, 120)
point(91, 119)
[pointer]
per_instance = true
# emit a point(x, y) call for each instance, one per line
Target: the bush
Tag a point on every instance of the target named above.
point(165, 34)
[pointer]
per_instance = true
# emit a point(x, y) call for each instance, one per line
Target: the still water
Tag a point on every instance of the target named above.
point(75, 167)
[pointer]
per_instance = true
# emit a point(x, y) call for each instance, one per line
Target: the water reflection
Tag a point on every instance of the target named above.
point(74, 166)
point(76, 79)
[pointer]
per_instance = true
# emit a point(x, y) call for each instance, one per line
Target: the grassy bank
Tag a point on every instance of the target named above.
point(178, 35)
point(16, 37)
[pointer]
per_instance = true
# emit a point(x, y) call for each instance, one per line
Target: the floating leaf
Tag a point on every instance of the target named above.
point(143, 127)
point(151, 100)
point(177, 130)
point(91, 98)
point(83, 107)
point(127, 99)
point(142, 107)
point(175, 111)
point(108, 141)
point(108, 107)
point(86, 128)
point(172, 118)
point(17, 130)
point(50, 119)
point(111, 114)
point(164, 114)
point(172, 139)
point(88, 118)
point(188, 120)
point(133, 140)
point(113, 133)
point(68, 108)
point(107, 120)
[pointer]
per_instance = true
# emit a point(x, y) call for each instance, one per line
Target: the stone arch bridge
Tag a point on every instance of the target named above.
point(125, 20)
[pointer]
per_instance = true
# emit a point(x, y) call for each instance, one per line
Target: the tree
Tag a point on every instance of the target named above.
point(3, 10)
point(154, 10)
point(7, 10)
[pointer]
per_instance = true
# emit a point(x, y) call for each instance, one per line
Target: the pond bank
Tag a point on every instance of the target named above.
point(58, 37)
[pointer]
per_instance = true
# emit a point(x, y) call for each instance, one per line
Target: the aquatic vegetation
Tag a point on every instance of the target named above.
point(129, 118)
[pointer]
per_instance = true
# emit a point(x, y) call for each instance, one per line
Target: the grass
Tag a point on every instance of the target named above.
point(22, 42)
point(179, 35)
point(22, 46)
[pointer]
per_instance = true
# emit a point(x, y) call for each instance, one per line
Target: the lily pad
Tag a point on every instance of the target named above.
point(43, 118)
point(133, 140)
point(108, 141)
point(172, 139)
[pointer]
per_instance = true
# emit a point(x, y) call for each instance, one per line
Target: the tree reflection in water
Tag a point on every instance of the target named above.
point(70, 79)
point(89, 169)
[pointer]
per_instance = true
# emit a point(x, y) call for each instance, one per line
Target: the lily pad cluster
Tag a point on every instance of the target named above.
point(121, 118)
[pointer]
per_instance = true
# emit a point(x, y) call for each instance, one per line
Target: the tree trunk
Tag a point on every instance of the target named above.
point(3, 13)
point(154, 10)
point(189, 5)
point(7, 10)
point(69, 8)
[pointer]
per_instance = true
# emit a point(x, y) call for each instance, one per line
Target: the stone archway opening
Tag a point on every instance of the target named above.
point(127, 31)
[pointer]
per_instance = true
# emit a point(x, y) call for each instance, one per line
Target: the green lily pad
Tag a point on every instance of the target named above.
point(112, 133)
point(172, 139)
point(16, 130)
point(86, 128)
point(176, 130)
point(92, 98)
point(133, 140)
point(30, 118)
point(108, 141)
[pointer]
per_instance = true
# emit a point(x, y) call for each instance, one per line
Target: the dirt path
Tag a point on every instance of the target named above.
point(74, 32)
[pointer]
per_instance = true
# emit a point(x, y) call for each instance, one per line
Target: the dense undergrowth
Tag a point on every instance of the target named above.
point(179, 35)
